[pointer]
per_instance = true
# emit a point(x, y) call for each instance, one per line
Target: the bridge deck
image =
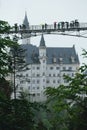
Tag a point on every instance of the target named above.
point(49, 28)
point(62, 28)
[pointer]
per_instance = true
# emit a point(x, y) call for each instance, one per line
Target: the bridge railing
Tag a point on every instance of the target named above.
point(61, 26)
point(58, 27)
point(40, 27)
point(83, 25)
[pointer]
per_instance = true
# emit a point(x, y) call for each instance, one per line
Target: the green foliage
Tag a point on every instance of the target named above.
point(17, 57)
point(5, 87)
point(4, 27)
point(16, 114)
point(66, 106)
point(5, 44)
point(21, 114)
point(68, 103)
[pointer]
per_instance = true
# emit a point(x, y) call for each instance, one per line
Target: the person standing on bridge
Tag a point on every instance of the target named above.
point(59, 25)
point(67, 25)
point(42, 26)
point(76, 23)
point(54, 25)
point(45, 25)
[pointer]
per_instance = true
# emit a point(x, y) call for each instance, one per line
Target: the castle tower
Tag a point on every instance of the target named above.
point(42, 58)
point(26, 39)
point(42, 48)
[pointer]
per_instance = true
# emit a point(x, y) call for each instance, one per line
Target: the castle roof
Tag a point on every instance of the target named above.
point(65, 54)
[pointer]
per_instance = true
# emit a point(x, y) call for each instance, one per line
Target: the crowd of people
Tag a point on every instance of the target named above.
point(62, 25)
point(66, 25)
point(56, 25)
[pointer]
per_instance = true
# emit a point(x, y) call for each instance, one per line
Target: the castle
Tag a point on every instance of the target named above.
point(45, 67)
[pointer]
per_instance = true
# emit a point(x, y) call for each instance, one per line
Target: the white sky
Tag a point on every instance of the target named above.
point(48, 11)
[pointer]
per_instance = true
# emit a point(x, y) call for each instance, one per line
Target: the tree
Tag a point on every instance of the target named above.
point(69, 103)
point(17, 114)
point(5, 87)
point(12, 55)
point(40, 113)
point(5, 44)
point(17, 61)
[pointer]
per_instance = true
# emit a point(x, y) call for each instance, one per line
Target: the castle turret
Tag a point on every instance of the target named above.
point(26, 39)
point(42, 47)
point(25, 22)
point(43, 60)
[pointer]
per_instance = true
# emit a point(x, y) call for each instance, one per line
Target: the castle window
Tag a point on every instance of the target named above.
point(72, 59)
point(26, 75)
point(33, 94)
point(64, 74)
point(70, 68)
point(38, 81)
point(28, 80)
point(43, 74)
point(57, 68)
point(60, 59)
point(33, 81)
point(38, 75)
point(28, 87)
point(38, 87)
point(64, 68)
point(43, 61)
point(54, 59)
point(53, 75)
point(33, 88)
point(21, 82)
point(21, 88)
point(54, 81)
point(58, 81)
point(43, 80)
point(44, 87)
point(72, 74)
point(49, 75)
point(58, 75)
point(27, 68)
point(51, 68)
point(38, 94)
point(38, 68)
point(21, 75)
point(48, 81)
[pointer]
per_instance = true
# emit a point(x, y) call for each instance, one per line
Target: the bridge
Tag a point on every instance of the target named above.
point(73, 28)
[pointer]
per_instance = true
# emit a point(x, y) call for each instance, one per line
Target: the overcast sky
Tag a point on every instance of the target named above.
point(48, 11)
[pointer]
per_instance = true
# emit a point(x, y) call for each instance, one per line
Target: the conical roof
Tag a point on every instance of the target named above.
point(42, 41)
point(25, 22)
